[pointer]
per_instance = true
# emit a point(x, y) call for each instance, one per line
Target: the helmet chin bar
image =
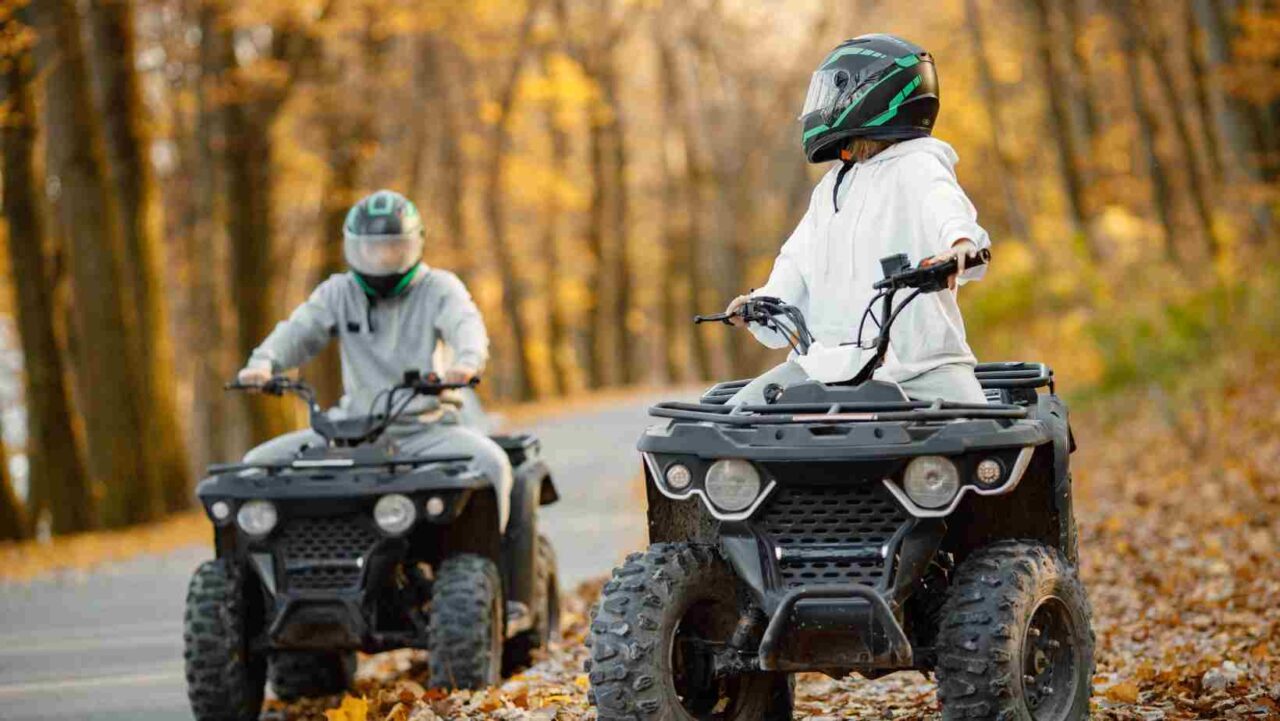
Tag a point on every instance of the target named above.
point(385, 286)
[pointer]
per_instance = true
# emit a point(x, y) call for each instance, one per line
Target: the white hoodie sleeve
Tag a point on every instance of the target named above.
point(461, 324)
point(786, 282)
point(946, 216)
point(302, 335)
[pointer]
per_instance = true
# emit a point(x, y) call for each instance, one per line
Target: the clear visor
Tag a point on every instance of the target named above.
point(382, 254)
point(824, 87)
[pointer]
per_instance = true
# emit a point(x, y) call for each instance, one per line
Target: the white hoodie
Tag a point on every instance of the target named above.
point(903, 200)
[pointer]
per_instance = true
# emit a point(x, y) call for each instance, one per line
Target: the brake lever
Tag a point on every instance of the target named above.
point(713, 318)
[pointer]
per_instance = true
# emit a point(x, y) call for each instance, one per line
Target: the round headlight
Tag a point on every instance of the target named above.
point(988, 471)
point(257, 518)
point(435, 506)
point(931, 481)
point(733, 484)
point(220, 510)
point(678, 476)
point(394, 513)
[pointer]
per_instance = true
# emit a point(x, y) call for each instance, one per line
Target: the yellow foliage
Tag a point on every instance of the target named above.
point(352, 709)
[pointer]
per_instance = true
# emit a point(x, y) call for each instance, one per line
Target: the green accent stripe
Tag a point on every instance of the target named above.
point(841, 52)
point(404, 282)
point(363, 285)
point(907, 61)
point(887, 115)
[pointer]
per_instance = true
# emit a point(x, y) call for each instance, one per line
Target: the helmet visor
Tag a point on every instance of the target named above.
point(382, 254)
point(824, 87)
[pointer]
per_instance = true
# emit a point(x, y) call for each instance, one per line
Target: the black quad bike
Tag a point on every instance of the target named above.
point(844, 528)
point(351, 546)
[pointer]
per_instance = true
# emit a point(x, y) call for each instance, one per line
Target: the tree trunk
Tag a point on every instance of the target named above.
point(1200, 82)
point(1073, 181)
point(109, 371)
point(700, 195)
point(14, 524)
point(1015, 218)
point(560, 342)
point(1162, 194)
point(1156, 49)
point(495, 204)
point(122, 115)
point(675, 236)
point(210, 351)
point(56, 479)
point(1082, 72)
point(601, 328)
point(621, 313)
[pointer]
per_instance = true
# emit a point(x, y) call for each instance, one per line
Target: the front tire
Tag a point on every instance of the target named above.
point(1015, 643)
point(225, 682)
point(645, 663)
point(466, 628)
point(298, 674)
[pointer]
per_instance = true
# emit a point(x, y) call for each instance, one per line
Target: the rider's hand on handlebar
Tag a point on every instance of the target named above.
point(960, 250)
point(459, 374)
point(734, 305)
point(253, 375)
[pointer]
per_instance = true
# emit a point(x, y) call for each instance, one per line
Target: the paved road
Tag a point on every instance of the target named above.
point(109, 645)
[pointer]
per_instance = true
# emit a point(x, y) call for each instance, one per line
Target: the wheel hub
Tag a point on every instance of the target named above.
point(1049, 662)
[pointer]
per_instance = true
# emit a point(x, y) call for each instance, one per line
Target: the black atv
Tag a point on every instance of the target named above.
point(845, 528)
point(350, 547)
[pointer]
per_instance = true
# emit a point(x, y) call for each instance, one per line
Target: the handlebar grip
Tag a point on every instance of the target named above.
point(713, 318)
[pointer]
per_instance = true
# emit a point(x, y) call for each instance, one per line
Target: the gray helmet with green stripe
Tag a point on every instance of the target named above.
point(873, 86)
point(382, 242)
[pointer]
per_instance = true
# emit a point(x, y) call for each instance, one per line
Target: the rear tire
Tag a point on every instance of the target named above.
point(546, 611)
point(1016, 641)
point(225, 681)
point(466, 628)
point(655, 603)
point(298, 674)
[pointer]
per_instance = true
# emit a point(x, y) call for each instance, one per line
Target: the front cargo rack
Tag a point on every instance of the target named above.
point(785, 413)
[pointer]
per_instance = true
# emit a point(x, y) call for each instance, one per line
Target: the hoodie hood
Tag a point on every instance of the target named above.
point(932, 146)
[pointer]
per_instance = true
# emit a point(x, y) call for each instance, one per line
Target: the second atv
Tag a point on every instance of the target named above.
point(351, 546)
point(845, 528)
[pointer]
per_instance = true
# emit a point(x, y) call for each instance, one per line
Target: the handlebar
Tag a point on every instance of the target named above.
point(927, 278)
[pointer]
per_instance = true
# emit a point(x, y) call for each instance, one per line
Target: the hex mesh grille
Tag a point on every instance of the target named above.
point(310, 544)
point(836, 519)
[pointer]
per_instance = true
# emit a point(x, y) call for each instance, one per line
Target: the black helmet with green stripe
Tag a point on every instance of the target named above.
point(873, 86)
point(382, 242)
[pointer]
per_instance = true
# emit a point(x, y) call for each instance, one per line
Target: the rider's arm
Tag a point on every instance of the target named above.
point(947, 217)
point(786, 282)
point(460, 323)
point(305, 333)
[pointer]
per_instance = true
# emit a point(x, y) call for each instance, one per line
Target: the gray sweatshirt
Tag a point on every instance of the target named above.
point(379, 339)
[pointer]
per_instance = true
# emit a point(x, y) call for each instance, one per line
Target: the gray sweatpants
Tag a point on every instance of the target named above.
point(950, 382)
point(416, 439)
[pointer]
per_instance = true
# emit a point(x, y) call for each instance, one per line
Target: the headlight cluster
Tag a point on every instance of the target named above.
point(731, 485)
point(934, 481)
point(395, 514)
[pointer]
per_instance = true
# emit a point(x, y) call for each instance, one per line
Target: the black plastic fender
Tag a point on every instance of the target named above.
point(520, 542)
point(1053, 411)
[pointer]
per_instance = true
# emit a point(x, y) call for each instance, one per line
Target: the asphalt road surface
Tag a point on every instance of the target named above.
point(108, 645)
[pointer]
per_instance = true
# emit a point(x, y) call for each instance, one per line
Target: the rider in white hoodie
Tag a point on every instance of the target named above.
point(872, 106)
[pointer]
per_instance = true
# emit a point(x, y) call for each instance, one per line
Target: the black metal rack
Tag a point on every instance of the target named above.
point(787, 413)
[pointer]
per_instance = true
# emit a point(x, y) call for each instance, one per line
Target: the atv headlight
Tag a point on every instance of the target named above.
point(394, 513)
point(931, 481)
point(733, 484)
point(257, 518)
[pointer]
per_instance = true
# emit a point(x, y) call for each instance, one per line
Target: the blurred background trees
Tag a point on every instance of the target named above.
point(175, 173)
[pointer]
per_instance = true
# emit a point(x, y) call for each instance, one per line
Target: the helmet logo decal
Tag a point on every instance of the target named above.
point(380, 204)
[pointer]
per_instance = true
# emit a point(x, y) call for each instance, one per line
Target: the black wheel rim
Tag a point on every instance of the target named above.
point(1050, 662)
point(702, 695)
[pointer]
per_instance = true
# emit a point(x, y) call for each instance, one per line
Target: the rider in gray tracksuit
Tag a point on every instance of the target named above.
point(388, 315)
